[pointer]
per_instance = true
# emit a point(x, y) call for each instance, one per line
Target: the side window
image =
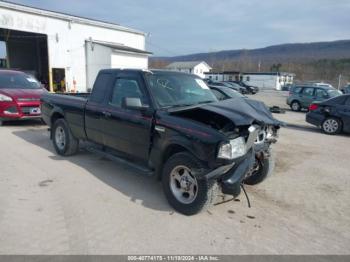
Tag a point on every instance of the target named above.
point(308, 91)
point(126, 87)
point(297, 90)
point(218, 94)
point(100, 87)
point(319, 93)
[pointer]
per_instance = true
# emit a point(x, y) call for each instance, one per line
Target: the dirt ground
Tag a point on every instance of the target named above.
point(88, 205)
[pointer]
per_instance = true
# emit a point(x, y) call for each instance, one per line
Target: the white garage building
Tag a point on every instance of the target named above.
point(270, 80)
point(198, 68)
point(66, 52)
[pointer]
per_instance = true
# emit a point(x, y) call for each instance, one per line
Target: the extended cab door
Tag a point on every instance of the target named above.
point(94, 110)
point(128, 130)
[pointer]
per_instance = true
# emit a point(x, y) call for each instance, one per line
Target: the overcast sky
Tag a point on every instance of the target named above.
point(179, 27)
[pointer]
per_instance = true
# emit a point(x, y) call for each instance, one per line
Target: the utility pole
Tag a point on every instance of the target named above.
point(259, 66)
point(339, 81)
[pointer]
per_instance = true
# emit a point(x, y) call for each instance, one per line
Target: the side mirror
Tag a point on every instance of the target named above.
point(325, 96)
point(133, 103)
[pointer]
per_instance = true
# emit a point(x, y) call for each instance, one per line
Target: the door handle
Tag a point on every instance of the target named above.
point(107, 114)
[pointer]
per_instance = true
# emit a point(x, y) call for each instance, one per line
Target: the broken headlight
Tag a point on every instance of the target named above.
point(234, 149)
point(272, 134)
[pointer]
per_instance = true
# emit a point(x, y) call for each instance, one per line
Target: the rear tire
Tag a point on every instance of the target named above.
point(183, 186)
point(63, 140)
point(332, 126)
point(295, 106)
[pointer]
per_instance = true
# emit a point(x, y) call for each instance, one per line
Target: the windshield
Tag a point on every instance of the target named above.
point(334, 93)
point(18, 81)
point(175, 90)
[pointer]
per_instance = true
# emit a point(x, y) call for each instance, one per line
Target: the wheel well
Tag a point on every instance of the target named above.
point(55, 117)
point(170, 151)
point(295, 100)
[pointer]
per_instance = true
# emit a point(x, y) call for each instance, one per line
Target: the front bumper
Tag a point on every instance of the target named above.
point(16, 110)
point(231, 176)
point(232, 180)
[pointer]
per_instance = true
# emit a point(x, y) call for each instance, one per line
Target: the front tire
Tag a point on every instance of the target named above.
point(183, 186)
point(263, 169)
point(332, 126)
point(63, 140)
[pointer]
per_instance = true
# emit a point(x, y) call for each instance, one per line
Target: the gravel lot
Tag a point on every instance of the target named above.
point(88, 205)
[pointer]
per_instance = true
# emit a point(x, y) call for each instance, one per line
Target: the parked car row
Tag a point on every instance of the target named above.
point(301, 96)
point(235, 85)
point(327, 107)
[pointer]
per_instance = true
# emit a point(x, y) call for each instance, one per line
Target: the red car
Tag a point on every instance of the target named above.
point(20, 96)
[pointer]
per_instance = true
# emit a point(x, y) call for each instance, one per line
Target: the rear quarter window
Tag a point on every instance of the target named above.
point(100, 87)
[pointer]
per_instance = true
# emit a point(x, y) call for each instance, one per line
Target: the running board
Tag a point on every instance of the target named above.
point(137, 167)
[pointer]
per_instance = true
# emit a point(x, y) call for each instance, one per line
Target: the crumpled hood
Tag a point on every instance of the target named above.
point(242, 111)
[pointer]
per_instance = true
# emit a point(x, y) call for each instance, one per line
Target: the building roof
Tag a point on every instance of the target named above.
point(186, 64)
point(223, 72)
point(120, 47)
point(67, 17)
point(270, 73)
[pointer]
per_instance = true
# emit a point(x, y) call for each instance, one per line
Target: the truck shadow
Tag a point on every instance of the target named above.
point(137, 187)
point(32, 122)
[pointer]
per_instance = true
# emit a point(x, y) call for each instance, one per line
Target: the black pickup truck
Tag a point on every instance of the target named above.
point(171, 125)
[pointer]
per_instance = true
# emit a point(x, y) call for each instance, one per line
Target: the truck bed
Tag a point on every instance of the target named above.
point(72, 106)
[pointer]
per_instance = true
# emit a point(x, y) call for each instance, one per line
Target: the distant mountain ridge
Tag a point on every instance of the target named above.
point(277, 53)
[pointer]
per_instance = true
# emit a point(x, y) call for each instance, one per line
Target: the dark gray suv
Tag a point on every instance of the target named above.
point(302, 96)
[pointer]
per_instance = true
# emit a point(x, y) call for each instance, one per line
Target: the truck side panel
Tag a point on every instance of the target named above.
point(70, 107)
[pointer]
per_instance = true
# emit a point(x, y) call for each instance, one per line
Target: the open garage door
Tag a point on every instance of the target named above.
point(27, 52)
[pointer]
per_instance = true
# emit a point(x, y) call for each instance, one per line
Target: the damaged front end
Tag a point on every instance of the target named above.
point(252, 166)
point(250, 130)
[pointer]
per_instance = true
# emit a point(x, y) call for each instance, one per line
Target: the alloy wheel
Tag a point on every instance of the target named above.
point(60, 138)
point(330, 126)
point(183, 184)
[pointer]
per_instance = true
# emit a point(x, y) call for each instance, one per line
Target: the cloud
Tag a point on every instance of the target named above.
point(183, 26)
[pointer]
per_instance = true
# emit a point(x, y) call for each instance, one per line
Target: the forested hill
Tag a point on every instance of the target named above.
point(282, 53)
